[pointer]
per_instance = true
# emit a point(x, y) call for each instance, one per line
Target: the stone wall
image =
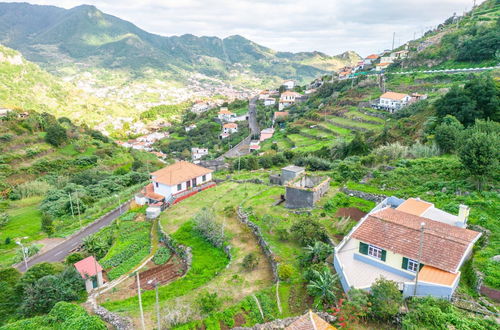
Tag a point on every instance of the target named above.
point(184, 252)
point(283, 323)
point(243, 217)
point(119, 322)
point(364, 195)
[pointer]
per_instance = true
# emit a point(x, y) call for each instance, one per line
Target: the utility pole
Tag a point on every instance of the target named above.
point(393, 38)
point(71, 205)
point(140, 301)
point(23, 249)
point(422, 226)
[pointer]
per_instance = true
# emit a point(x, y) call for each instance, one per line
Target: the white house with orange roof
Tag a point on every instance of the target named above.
point(382, 66)
point(392, 101)
point(370, 59)
point(173, 182)
point(288, 98)
point(264, 94)
point(229, 128)
point(410, 242)
point(225, 115)
point(269, 102)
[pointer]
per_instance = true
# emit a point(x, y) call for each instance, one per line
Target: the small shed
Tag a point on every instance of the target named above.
point(91, 272)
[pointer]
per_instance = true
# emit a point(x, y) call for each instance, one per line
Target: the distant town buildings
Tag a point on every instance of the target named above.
point(198, 153)
point(289, 84)
point(225, 115)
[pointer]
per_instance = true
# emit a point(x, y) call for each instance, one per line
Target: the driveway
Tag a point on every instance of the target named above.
point(60, 251)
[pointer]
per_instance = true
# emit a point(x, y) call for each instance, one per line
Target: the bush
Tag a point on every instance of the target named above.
point(211, 230)
point(56, 135)
point(307, 231)
point(285, 272)
point(4, 219)
point(74, 258)
point(208, 302)
point(162, 255)
point(33, 188)
point(250, 261)
point(385, 298)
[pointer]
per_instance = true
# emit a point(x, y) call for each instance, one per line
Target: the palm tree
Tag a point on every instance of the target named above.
point(323, 286)
point(317, 252)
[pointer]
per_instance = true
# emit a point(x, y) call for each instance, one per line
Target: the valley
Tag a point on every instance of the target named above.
point(188, 182)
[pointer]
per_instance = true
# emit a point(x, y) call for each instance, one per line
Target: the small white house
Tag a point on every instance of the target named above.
point(370, 59)
point(264, 94)
point(91, 272)
point(393, 101)
point(169, 182)
point(269, 102)
point(289, 84)
point(230, 128)
point(287, 99)
point(225, 115)
point(198, 153)
point(382, 66)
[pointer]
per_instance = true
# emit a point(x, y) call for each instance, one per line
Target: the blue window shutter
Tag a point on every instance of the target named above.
point(384, 254)
point(363, 248)
point(405, 263)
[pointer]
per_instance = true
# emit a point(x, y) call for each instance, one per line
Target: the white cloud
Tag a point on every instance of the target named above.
point(331, 26)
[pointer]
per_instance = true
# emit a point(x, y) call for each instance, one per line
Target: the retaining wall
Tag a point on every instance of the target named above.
point(364, 195)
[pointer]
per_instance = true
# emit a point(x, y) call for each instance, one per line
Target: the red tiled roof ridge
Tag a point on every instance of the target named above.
point(428, 230)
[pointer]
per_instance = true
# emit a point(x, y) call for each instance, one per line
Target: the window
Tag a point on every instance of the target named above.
point(412, 265)
point(179, 187)
point(156, 183)
point(374, 252)
point(204, 178)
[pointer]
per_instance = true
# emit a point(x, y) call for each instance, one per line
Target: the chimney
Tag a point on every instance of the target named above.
point(463, 215)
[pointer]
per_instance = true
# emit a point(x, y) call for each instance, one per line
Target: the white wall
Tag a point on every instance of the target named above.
point(167, 191)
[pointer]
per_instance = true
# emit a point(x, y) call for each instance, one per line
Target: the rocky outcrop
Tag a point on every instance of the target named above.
point(244, 218)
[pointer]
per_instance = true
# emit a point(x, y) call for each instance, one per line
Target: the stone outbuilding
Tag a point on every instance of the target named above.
point(288, 173)
point(305, 190)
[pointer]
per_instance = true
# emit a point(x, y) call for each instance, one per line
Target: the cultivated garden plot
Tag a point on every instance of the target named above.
point(211, 270)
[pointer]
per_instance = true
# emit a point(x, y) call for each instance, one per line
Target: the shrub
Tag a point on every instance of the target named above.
point(162, 255)
point(208, 302)
point(419, 150)
point(285, 272)
point(56, 135)
point(323, 287)
point(4, 219)
point(33, 188)
point(74, 258)
point(211, 230)
point(250, 261)
point(47, 224)
point(390, 152)
point(307, 231)
point(385, 298)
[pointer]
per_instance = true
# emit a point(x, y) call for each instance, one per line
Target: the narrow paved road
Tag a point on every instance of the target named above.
point(242, 148)
point(60, 251)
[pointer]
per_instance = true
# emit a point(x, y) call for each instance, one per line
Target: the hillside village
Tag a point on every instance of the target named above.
point(365, 198)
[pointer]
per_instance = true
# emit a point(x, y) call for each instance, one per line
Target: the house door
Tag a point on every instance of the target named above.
point(188, 184)
point(94, 282)
point(194, 182)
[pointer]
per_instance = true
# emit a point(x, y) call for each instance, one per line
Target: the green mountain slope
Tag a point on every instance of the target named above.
point(52, 36)
point(25, 85)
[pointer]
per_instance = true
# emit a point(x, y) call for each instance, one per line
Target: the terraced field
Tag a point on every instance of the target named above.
point(355, 125)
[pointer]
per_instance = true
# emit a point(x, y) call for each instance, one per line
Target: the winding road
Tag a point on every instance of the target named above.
point(60, 251)
point(242, 148)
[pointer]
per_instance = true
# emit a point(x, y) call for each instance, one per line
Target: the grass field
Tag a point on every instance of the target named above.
point(352, 123)
point(24, 222)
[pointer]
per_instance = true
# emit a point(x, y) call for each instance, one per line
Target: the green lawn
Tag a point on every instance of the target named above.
point(337, 129)
point(24, 221)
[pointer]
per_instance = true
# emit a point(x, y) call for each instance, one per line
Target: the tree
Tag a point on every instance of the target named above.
point(209, 228)
point(209, 302)
point(9, 299)
point(35, 273)
point(323, 287)
point(480, 151)
point(358, 145)
point(448, 133)
point(55, 135)
point(318, 252)
point(307, 231)
point(385, 298)
point(486, 95)
point(458, 104)
point(47, 224)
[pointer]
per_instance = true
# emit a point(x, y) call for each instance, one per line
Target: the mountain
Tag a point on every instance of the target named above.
point(54, 37)
point(24, 85)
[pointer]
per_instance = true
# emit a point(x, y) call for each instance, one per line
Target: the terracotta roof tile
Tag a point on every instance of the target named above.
point(149, 192)
point(444, 245)
point(230, 125)
point(88, 267)
point(393, 96)
point(280, 114)
point(179, 172)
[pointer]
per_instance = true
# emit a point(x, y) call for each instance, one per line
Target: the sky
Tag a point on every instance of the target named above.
point(329, 26)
